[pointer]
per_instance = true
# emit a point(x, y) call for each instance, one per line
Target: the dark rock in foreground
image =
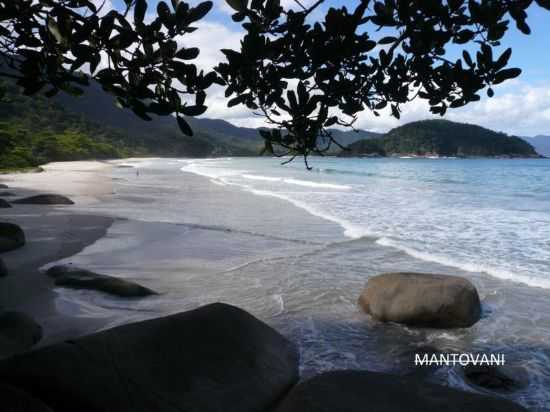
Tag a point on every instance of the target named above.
point(49, 199)
point(76, 278)
point(497, 378)
point(16, 400)
point(11, 237)
point(418, 299)
point(362, 391)
point(3, 186)
point(212, 359)
point(3, 269)
point(18, 333)
point(4, 204)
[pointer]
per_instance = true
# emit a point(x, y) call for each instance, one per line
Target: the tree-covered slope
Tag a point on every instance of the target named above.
point(35, 130)
point(443, 138)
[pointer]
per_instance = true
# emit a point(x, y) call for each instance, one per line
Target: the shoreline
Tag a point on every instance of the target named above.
point(52, 233)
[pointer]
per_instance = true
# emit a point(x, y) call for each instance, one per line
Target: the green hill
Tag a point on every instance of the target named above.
point(35, 130)
point(442, 138)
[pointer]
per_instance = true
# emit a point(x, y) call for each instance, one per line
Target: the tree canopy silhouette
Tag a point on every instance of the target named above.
point(302, 72)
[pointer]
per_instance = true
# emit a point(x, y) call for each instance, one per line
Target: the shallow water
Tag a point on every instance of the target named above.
point(230, 230)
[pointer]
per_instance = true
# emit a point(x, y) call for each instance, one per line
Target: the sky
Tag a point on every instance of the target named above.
point(520, 106)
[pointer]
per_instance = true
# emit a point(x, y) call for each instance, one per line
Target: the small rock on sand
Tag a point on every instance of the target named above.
point(77, 278)
point(47, 199)
point(4, 204)
point(11, 237)
point(18, 333)
point(422, 299)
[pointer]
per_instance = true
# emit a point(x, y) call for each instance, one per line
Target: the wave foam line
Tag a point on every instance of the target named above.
point(468, 267)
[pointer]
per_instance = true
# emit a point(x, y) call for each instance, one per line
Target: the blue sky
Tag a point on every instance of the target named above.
point(520, 107)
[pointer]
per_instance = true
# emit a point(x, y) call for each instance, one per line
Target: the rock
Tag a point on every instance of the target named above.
point(215, 358)
point(497, 378)
point(4, 204)
point(361, 391)
point(49, 199)
point(15, 400)
point(3, 186)
point(76, 278)
point(6, 194)
point(418, 299)
point(3, 269)
point(18, 333)
point(11, 237)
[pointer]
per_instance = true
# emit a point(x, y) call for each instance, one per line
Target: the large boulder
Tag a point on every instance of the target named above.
point(15, 400)
point(77, 278)
point(48, 199)
point(3, 269)
point(18, 333)
point(4, 204)
point(11, 237)
point(361, 391)
point(215, 358)
point(418, 299)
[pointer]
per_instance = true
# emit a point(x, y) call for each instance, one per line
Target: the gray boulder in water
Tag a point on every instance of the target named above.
point(215, 358)
point(11, 237)
point(419, 299)
point(16, 400)
point(77, 278)
point(4, 204)
point(362, 391)
point(47, 199)
point(18, 333)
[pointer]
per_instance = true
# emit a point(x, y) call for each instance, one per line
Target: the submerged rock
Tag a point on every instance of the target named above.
point(419, 299)
point(497, 378)
point(215, 358)
point(48, 199)
point(3, 269)
point(361, 391)
point(11, 237)
point(18, 333)
point(77, 278)
point(15, 400)
point(4, 204)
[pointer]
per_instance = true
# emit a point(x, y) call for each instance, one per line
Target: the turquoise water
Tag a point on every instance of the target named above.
point(480, 215)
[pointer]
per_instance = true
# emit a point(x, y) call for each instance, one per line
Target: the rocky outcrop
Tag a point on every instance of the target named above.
point(4, 204)
point(18, 333)
point(48, 199)
point(3, 269)
point(496, 378)
point(215, 358)
point(361, 391)
point(418, 299)
point(11, 237)
point(15, 400)
point(77, 278)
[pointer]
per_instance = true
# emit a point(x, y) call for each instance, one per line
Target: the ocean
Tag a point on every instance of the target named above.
point(295, 248)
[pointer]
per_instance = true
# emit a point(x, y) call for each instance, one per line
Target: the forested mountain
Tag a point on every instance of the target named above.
point(442, 138)
point(35, 130)
point(540, 143)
